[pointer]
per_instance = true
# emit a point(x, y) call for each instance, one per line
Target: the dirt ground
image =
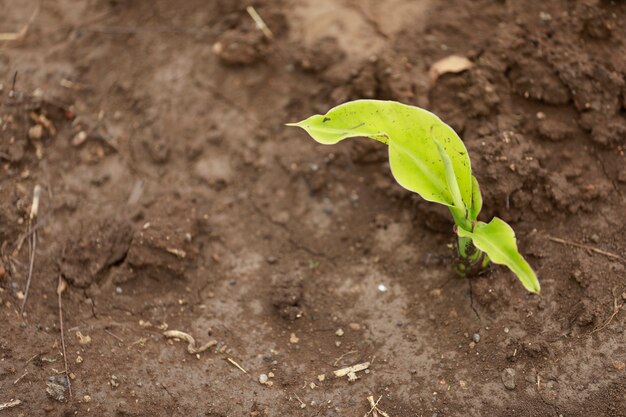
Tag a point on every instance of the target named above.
point(173, 198)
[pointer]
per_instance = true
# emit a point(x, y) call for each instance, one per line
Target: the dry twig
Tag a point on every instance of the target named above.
point(343, 356)
point(259, 22)
point(20, 378)
point(10, 404)
point(119, 339)
point(235, 364)
point(587, 247)
point(34, 209)
point(302, 404)
point(351, 369)
point(61, 286)
point(375, 410)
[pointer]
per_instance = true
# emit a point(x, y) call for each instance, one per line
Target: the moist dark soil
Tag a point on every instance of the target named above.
point(173, 198)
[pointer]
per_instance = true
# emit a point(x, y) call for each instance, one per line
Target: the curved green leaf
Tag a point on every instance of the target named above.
point(451, 181)
point(497, 240)
point(414, 136)
point(477, 200)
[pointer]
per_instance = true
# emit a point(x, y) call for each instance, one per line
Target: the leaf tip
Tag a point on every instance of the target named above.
point(533, 286)
point(537, 289)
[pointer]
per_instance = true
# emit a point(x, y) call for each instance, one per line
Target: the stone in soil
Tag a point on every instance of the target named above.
point(508, 378)
point(56, 387)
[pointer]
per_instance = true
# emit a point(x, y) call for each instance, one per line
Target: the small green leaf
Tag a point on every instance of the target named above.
point(453, 184)
point(477, 200)
point(414, 157)
point(497, 240)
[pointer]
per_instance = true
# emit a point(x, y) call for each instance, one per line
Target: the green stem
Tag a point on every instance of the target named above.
point(470, 256)
point(460, 218)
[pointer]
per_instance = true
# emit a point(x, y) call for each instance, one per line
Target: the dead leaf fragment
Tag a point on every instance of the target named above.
point(452, 63)
point(351, 371)
point(191, 346)
point(83, 339)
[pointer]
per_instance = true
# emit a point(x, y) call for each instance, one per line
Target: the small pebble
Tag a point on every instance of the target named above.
point(263, 379)
point(35, 132)
point(508, 378)
point(545, 16)
point(476, 337)
point(79, 138)
point(595, 238)
point(118, 290)
point(339, 332)
point(382, 288)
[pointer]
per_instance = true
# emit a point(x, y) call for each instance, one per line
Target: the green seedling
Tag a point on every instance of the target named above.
point(427, 157)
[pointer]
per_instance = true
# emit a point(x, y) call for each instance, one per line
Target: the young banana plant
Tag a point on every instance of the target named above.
point(427, 157)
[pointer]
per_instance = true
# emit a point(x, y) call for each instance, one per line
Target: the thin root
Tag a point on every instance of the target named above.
point(617, 307)
point(587, 247)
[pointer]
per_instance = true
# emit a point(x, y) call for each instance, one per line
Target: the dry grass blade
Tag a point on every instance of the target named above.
point(16, 36)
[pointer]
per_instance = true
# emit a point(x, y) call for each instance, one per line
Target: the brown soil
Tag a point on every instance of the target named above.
point(186, 203)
